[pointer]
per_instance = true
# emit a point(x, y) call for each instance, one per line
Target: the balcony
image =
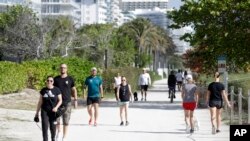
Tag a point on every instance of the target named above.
point(65, 3)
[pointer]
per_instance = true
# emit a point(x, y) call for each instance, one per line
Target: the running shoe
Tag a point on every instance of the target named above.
point(213, 130)
point(90, 121)
point(141, 99)
point(127, 123)
point(191, 131)
point(217, 131)
point(95, 124)
point(64, 139)
point(121, 124)
point(187, 128)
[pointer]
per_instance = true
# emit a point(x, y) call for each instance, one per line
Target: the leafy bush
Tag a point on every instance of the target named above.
point(13, 77)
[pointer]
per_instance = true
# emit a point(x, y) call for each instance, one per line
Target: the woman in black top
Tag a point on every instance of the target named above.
point(123, 96)
point(49, 101)
point(215, 95)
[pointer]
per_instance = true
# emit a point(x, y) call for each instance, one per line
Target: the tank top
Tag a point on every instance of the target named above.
point(124, 93)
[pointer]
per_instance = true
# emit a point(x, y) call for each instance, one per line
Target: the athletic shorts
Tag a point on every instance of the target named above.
point(189, 105)
point(66, 116)
point(217, 104)
point(92, 100)
point(144, 87)
point(123, 103)
point(179, 82)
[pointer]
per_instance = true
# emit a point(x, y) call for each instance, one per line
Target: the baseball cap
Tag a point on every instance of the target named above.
point(189, 77)
point(93, 69)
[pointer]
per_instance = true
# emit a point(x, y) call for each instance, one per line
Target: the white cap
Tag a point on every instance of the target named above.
point(93, 69)
point(189, 77)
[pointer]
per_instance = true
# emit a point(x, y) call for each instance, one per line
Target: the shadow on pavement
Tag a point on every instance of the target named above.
point(149, 132)
point(161, 105)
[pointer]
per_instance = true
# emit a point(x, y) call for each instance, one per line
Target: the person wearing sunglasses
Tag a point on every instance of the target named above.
point(124, 94)
point(49, 102)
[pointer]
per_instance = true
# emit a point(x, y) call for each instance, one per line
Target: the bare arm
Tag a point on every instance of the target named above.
point(130, 92)
point(74, 92)
point(207, 96)
point(39, 104)
point(182, 94)
point(224, 95)
point(59, 103)
point(101, 90)
point(117, 93)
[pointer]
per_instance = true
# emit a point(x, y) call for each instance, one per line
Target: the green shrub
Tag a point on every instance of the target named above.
point(13, 77)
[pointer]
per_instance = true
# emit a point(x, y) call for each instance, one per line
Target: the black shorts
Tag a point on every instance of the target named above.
point(92, 100)
point(144, 87)
point(179, 82)
point(217, 104)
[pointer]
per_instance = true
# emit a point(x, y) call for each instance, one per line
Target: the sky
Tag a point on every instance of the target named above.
point(174, 3)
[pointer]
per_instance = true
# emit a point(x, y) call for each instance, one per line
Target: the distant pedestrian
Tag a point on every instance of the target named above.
point(67, 86)
point(117, 83)
point(215, 95)
point(179, 78)
point(49, 102)
point(144, 82)
point(124, 95)
point(190, 100)
point(95, 93)
point(171, 83)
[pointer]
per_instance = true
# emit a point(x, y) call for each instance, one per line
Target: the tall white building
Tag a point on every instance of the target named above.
point(131, 5)
point(93, 11)
point(5, 3)
point(114, 14)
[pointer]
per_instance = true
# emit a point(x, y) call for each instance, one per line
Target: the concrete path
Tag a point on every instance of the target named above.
point(154, 120)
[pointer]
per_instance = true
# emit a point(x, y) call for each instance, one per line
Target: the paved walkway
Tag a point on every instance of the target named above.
point(155, 119)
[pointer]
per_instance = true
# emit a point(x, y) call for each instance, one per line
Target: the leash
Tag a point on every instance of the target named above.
point(38, 126)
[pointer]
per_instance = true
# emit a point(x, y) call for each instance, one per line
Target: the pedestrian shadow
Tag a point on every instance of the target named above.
point(150, 132)
point(161, 105)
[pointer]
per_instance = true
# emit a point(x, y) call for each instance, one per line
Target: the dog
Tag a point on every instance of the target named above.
point(135, 96)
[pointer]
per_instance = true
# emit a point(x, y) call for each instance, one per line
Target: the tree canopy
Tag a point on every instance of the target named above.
point(221, 27)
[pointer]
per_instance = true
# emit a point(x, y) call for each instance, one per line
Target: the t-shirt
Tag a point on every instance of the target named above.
point(179, 77)
point(215, 89)
point(124, 93)
point(50, 98)
point(171, 80)
point(65, 85)
point(118, 81)
point(93, 83)
point(144, 79)
point(189, 91)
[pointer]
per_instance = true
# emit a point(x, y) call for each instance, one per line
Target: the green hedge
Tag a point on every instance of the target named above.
point(32, 74)
point(13, 77)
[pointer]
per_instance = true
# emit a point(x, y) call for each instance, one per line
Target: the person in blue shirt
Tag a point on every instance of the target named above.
point(95, 93)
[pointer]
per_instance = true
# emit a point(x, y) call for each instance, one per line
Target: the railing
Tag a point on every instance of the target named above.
point(239, 113)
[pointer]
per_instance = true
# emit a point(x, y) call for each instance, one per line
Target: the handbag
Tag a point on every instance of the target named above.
point(60, 111)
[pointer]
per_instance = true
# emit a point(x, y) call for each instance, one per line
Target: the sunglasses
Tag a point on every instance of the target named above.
point(49, 80)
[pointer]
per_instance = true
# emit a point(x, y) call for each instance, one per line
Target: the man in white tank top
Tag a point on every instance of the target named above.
point(144, 82)
point(117, 82)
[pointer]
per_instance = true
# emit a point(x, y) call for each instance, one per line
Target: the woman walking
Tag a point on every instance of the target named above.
point(215, 95)
point(190, 99)
point(49, 101)
point(124, 94)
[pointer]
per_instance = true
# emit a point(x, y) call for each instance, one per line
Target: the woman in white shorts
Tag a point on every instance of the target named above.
point(124, 94)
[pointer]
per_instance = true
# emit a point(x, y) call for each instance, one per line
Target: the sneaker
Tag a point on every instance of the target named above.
point(141, 99)
point(187, 128)
point(59, 136)
point(64, 139)
point(191, 131)
point(168, 96)
point(127, 123)
point(213, 130)
point(145, 99)
point(121, 124)
point(217, 131)
point(174, 95)
point(95, 124)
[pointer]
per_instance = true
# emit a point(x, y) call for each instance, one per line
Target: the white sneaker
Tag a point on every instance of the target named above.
point(187, 128)
point(64, 139)
point(213, 130)
point(59, 136)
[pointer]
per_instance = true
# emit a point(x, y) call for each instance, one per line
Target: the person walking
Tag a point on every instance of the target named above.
point(117, 83)
point(144, 82)
point(49, 102)
point(189, 96)
point(214, 98)
point(179, 78)
point(67, 86)
point(124, 94)
point(95, 93)
point(171, 83)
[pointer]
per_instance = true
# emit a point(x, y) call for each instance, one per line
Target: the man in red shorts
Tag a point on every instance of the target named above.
point(190, 99)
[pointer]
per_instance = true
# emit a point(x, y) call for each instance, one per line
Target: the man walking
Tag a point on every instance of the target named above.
point(144, 82)
point(94, 84)
point(67, 86)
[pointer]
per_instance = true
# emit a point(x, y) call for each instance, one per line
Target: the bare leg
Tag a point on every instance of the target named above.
point(187, 115)
point(218, 118)
point(191, 119)
point(65, 131)
point(90, 112)
point(213, 115)
point(145, 95)
point(96, 107)
point(121, 112)
point(126, 112)
point(141, 94)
